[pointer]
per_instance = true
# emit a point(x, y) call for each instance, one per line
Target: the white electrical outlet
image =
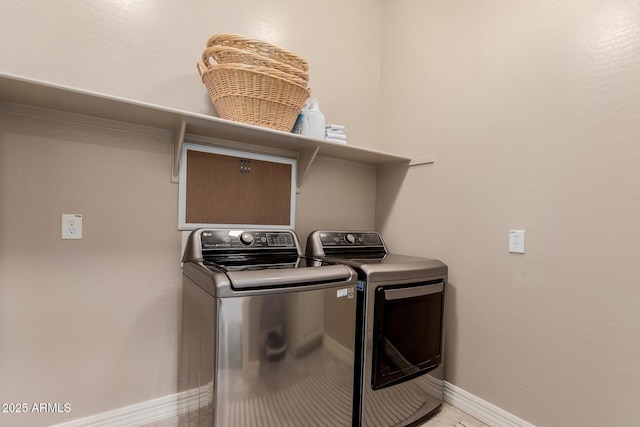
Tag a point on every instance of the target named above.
point(516, 241)
point(72, 226)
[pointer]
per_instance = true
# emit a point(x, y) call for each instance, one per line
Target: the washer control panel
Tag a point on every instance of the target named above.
point(240, 239)
point(350, 238)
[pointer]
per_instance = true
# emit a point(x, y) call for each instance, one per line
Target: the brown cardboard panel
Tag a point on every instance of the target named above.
point(223, 189)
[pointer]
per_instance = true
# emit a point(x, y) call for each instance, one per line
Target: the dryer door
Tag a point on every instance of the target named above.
point(408, 327)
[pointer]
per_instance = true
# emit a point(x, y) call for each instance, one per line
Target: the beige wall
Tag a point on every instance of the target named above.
point(336, 195)
point(530, 110)
point(147, 50)
point(89, 322)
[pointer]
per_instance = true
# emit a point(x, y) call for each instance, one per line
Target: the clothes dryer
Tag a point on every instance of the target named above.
point(399, 332)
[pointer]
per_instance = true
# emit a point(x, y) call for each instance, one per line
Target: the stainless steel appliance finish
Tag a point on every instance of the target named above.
point(266, 339)
point(399, 327)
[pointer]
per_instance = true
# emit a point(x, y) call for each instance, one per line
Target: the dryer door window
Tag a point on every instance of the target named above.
point(407, 332)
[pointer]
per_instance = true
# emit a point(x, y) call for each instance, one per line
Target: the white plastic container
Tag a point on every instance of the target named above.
point(311, 121)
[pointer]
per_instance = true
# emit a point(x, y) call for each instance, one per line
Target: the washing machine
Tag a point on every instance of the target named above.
point(400, 327)
point(268, 339)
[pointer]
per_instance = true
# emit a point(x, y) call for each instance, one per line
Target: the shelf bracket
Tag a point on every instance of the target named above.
point(176, 153)
point(422, 161)
point(305, 160)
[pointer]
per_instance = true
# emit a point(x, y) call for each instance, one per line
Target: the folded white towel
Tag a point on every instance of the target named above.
point(334, 127)
point(335, 135)
point(336, 140)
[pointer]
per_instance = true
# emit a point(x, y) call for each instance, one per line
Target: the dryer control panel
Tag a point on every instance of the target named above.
point(350, 238)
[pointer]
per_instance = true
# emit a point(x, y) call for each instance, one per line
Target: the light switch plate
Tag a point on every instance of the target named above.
point(72, 226)
point(516, 241)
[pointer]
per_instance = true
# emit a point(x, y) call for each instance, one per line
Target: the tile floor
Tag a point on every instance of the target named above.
point(448, 416)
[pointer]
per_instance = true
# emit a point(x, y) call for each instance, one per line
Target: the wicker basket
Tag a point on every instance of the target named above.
point(234, 55)
point(253, 94)
point(261, 48)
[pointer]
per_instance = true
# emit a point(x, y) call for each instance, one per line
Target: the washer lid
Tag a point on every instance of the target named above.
point(224, 284)
point(301, 277)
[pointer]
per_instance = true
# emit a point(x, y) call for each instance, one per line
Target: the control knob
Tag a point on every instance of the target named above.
point(246, 238)
point(350, 239)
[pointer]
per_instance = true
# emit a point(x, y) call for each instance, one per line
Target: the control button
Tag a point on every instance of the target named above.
point(246, 238)
point(350, 239)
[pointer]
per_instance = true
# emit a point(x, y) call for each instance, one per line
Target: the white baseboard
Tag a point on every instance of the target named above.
point(162, 408)
point(481, 409)
point(136, 415)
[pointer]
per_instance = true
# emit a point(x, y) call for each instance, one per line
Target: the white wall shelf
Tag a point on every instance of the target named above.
point(18, 90)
